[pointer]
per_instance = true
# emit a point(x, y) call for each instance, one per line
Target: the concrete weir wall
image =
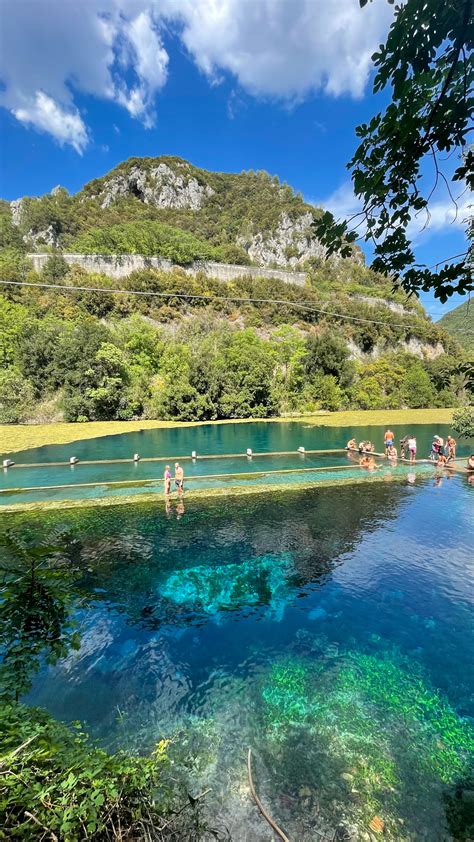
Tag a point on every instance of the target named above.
point(119, 266)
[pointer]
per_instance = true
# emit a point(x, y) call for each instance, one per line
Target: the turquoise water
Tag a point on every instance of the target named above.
point(178, 443)
point(330, 630)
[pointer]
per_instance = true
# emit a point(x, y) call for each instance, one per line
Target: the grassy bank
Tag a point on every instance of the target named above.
point(16, 437)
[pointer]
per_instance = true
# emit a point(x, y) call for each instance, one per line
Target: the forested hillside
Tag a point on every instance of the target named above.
point(184, 350)
point(459, 323)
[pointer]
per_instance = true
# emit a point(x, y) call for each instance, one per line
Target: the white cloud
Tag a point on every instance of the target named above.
point(343, 204)
point(47, 116)
point(150, 62)
point(51, 50)
point(442, 215)
point(284, 48)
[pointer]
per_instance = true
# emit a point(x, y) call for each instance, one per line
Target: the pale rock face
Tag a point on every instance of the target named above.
point(58, 189)
point(291, 234)
point(422, 350)
point(161, 187)
point(48, 236)
point(17, 207)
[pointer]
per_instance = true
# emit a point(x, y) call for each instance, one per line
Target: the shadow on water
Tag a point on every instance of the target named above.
point(323, 628)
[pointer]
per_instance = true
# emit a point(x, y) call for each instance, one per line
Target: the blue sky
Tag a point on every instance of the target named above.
point(227, 84)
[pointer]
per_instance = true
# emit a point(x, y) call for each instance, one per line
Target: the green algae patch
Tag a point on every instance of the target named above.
point(19, 437)
point(157, 497)
point(373, 729)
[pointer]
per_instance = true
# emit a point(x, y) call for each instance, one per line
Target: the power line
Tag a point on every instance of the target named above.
point(209, 298)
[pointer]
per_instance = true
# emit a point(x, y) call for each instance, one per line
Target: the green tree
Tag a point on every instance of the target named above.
point(463, 422)
point(417, 389)
point(428, 64)
point(55, 268)
point(326, 353)
point(327, 392)
point(16, 396)
point(249, 363)
point(98, 393)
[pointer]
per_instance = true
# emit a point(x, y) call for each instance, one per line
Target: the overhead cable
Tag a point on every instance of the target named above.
point(208, 298)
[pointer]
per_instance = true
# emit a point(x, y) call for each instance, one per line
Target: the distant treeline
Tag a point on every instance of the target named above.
point(99, 356)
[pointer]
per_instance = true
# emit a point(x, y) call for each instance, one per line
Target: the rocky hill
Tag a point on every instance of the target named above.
point(245, 217)
point(459, 323)
point(192, 344)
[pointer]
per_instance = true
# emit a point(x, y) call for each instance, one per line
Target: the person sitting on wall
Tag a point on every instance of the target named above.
point(451, 447)
point(351, 445)
point(442, 460)
point(470, 463)
point(392, 453)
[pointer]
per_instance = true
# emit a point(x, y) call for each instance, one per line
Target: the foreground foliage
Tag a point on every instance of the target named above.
point(54, 781)
point(96, 356)
point(427, 62)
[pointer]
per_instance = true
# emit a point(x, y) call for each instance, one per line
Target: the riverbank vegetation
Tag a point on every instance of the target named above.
point(16, 437)
point(55, 783)
point(99, 356)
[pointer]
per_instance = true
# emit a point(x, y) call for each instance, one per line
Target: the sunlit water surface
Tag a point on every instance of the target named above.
point(227, 442)
point(330, 630)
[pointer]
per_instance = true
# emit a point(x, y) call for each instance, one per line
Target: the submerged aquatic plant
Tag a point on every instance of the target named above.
point(262, 580)
point(372, 721)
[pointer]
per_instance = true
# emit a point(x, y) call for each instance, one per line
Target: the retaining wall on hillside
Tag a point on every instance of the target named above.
point(119, 266)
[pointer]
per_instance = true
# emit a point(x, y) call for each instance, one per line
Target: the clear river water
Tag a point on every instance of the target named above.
point(23, 484)
point(329, 629)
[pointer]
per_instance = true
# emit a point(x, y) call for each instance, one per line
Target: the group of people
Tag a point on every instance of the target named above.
point(442, 451)
point(178, 479)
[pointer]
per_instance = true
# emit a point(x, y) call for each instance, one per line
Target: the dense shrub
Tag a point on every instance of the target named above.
point(149, 238)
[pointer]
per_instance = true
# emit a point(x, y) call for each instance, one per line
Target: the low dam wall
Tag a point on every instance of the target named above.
point(121, 265)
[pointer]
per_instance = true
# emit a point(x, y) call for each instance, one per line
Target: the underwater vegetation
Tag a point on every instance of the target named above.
point(262, 580)
point(367, 733)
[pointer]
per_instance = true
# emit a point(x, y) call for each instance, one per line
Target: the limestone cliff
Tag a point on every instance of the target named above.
point(160, 186)
point(252, 214)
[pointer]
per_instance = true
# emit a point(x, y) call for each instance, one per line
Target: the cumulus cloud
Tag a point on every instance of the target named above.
point(46, 115)
point(284, 48)
point(442, 214)
point(52, 50)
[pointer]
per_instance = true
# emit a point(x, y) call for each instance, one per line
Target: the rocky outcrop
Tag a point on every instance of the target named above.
point(47, 237)
point(160, 186)
point(290, 244)
point(17, 208)
point(422, 350)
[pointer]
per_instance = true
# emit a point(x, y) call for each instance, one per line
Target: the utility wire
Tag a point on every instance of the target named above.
point(209, 298)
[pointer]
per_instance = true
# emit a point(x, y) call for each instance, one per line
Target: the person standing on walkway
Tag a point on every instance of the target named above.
point(388, 440)
point(451, 446)
point(167, 480)
point(412, 447)
point(178, 478)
